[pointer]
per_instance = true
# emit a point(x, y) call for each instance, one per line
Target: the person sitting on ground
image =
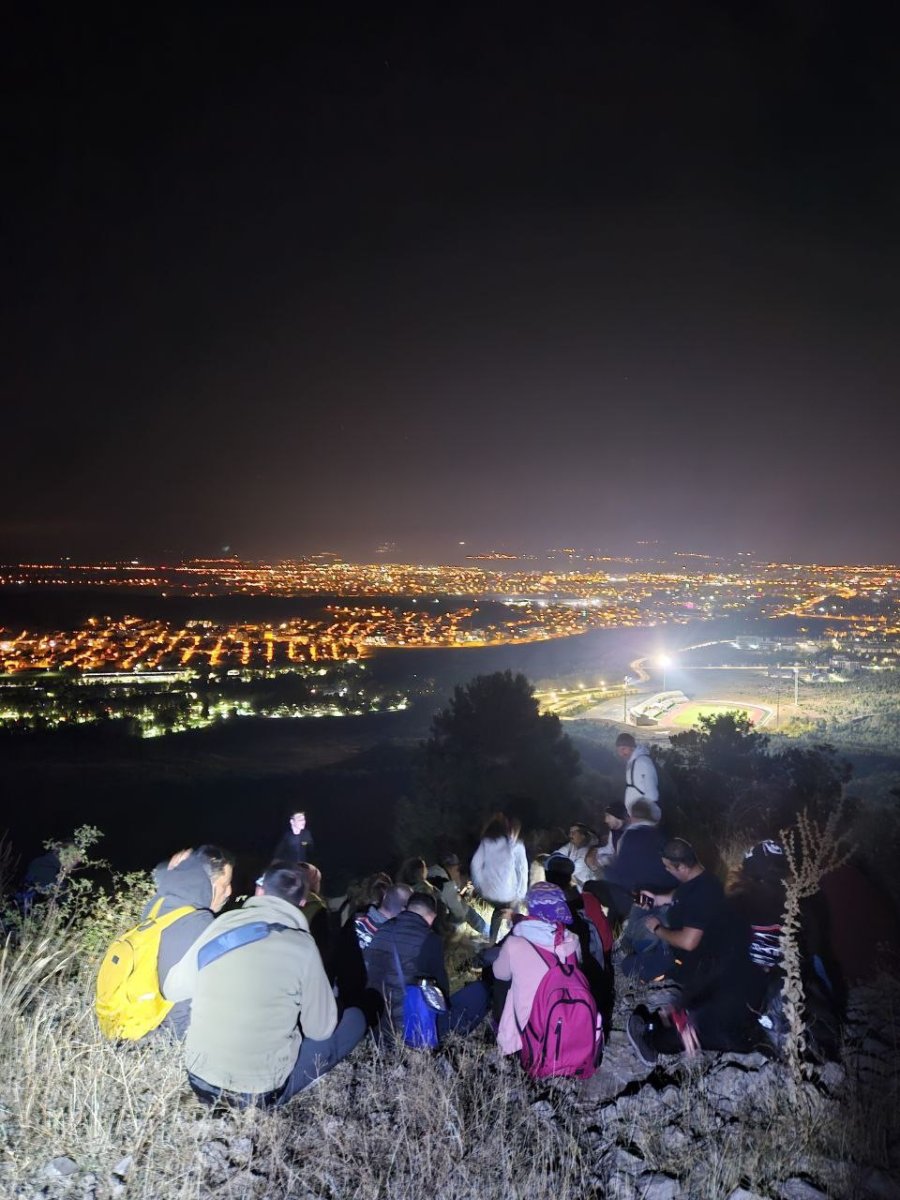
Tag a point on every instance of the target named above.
point(198, 881)
point(367, 921)
point(362, 894)
point(500, 869)
point(636, 866)
point(315, 909)
point(254, 978)
point(616, 818)
point(446, 878)
point(641, 779)
point(757, 894)
point(296, 844)
point(521, 967)
point(721, 989)
point(349, 973)
point(695, 905)
point(591, 927)
point(409, 941)
point(581, 840)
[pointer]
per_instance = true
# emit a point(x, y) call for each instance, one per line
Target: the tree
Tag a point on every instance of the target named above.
point(491, 748)
point(722, 781)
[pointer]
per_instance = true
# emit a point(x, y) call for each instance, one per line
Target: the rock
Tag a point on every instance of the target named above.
point(799, 1189)
point(656, 1187)
point(831, 1076)
point(674, 1140)
point(59, 1168)
point(543, 1110)
point(240, 1150)
point(742, 1194)
point(622, 1162)
point(877, 1185)
point(620, 1067)
point(123, 1166)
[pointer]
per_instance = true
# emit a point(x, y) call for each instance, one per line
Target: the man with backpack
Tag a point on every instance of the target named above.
point(641, 778)
point(406, 949)
point(131, 997)
point(264, 1023)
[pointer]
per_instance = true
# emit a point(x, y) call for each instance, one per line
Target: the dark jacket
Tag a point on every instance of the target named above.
point(185, 885)
point(409, 939)
point(295, 847)
point(638, 862)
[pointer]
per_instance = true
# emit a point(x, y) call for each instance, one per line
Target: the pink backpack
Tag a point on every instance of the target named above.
point(564, 1033)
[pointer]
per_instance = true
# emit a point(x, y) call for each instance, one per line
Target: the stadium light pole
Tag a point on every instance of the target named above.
point(665, 662)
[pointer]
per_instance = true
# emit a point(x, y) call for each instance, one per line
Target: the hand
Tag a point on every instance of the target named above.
point(177, 859)
point(652, 923)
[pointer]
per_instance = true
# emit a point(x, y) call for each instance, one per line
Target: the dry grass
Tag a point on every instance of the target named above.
point(388, 1124)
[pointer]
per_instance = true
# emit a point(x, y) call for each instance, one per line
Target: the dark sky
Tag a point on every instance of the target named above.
point(290, 280)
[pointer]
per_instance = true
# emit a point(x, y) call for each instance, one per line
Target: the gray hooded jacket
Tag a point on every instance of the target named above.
point(185, 885)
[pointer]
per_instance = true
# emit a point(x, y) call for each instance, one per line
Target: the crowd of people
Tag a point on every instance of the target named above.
point(268, 996)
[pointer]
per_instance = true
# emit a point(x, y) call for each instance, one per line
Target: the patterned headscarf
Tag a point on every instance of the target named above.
point(547, 902)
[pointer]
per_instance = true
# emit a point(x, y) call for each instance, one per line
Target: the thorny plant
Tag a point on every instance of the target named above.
point(812, 851)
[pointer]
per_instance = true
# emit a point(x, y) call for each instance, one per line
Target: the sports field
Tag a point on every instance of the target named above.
point(686, 716)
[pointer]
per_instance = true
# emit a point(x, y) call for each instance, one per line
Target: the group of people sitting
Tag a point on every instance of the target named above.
point(269, 996)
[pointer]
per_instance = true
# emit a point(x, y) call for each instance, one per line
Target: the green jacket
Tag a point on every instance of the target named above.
point(245, 1006)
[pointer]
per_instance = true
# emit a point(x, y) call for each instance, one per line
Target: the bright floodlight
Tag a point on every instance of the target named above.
point(664, 661)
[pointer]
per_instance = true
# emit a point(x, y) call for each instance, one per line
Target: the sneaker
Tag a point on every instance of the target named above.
point(637, 1030)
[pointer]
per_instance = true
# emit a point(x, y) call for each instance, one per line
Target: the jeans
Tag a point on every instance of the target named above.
point(467, 1009)
point(317, 1058)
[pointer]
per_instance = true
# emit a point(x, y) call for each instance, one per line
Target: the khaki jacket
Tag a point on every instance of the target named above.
point(245, 1006)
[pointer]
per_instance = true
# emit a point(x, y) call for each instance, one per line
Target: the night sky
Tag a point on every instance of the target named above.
point(287, 278)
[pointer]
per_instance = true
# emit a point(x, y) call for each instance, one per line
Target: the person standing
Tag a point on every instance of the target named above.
point(500, 868)
point(641, 779)
point(296, 845)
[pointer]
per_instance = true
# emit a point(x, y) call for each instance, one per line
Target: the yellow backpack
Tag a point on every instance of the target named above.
point(128, 1001)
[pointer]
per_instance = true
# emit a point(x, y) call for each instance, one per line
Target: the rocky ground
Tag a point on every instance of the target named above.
point(726, 1126)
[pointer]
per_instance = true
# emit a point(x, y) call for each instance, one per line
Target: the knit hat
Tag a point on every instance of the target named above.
point(547, 902)
point(560, 864)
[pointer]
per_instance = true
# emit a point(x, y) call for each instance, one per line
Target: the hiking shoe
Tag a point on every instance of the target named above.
point(639, 1036)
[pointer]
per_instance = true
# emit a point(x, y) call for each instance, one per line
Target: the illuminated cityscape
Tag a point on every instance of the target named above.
point(161, 674)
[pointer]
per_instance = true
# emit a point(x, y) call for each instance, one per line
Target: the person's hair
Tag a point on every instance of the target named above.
point(497, 826)
point(643, 810)
point(412, 871)
point(370, 890)
point(617, 809)
point(395, 898)
point(680, 852)
point(515, 828)
point(561, 877)
point(293, 811)
point(422, 903)
point(287, 881)
point(313, 875)
point(626, 739)
point(213, 860)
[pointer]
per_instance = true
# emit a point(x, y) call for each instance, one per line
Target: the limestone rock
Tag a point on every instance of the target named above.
point(60, 1167)
point(799, 1189)
point(123, 1166)
point(657, 1187)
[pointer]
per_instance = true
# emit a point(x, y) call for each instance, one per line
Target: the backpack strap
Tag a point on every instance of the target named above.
point(630, 782)
point(233, 939)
